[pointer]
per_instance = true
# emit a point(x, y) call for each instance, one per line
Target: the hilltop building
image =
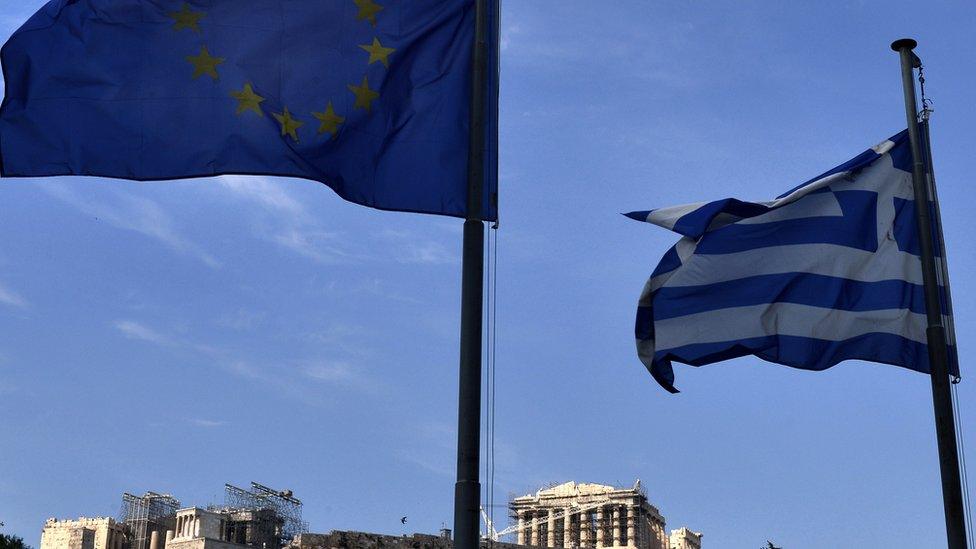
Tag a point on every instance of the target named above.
point(567, 516)
point(225, 528)
point(589, 516)
point(683, 538)
point(83, 533)
point(254, 518)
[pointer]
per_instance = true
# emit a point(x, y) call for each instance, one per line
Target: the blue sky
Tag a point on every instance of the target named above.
point(176, 336)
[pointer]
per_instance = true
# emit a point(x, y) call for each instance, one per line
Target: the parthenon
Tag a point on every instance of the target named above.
point(589, 516)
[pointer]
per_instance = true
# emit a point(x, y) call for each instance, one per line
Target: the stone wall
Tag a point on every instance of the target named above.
point(342, 539)
point(684, 538)
point(203, 543)
point(84, 533)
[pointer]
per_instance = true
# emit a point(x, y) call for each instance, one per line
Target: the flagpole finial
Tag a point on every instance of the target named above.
point(909, 43)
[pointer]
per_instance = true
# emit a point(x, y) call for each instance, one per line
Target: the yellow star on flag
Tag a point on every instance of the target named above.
point(187, 18)
point(364, 95)
point(330, 120)
point(378, 53)
point(247, 100)
point(205, 63)
point(367, 10)
point(289, 125)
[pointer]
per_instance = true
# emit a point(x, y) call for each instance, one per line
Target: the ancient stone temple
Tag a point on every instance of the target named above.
point(589, 515)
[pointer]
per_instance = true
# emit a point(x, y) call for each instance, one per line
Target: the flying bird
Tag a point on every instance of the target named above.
point(403, 520)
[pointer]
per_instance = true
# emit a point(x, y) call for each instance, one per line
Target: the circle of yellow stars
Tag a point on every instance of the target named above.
point(204, 63)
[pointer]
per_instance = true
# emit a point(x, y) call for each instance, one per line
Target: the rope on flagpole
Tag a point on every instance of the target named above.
point(943, 274)
point(493, 323)
point(490, 327)
point(962, 464)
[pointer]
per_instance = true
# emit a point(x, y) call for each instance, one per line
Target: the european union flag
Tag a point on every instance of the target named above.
point(370, 97)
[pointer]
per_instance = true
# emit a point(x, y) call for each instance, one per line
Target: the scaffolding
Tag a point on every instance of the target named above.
point(145, 514)
point(282, 502)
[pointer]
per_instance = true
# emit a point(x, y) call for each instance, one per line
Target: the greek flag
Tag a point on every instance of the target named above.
point(827, 272)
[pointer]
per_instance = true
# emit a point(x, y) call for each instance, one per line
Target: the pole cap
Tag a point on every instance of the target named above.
point(909, 43)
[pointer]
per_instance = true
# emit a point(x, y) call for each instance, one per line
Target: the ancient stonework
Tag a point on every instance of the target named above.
point(84, 533)
point(589, 515)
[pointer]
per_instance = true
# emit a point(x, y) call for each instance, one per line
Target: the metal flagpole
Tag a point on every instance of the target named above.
point(935, 333)
point(467, 489)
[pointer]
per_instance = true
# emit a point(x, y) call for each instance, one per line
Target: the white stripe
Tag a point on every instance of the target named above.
point(883, 147)
point(874, 177)
point(814, 205)
point(667, 217)
point(888, 263)
point(685, 248)
point(791, 319)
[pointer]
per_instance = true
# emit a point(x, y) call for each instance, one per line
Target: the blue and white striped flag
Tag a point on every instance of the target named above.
point(827, 272)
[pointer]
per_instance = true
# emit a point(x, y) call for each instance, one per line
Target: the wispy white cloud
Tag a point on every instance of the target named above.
point(12, 298)
point(409, 248)
point(506, 35)
point(330, 372)
point(341, 374)
point(299, 379)
point(206, 423)
point(432, 448)
point(321, 246)
point(240, 320)
point(133, 213)
point(135, 330)
point(290, 225)
point(264, 191)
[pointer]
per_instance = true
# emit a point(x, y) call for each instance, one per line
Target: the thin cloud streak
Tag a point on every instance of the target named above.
point(134, 330)
point(290, 378)
point(136, 214)
point(290, 225)
point(206, 423)
point(11, 298)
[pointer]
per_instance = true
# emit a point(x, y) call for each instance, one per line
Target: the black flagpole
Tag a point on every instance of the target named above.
point(467, 489)
point(945, 429)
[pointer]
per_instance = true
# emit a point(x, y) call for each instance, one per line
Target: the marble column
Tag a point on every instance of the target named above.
point(644, 533)
point(569, 533)
point(584, 529)
point(551, 529)
point(599, 528)
point(521, 527)
point(616, 526)
point(631, 527)
point(534, 529)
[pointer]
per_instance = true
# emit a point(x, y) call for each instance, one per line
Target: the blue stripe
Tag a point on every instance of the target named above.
point(695, 223)
point(668, 263)
point(856, 228)
point(898, 156)
point(856, 163)
point(800, 288)
point(639, 215)
point(644, 326)
point(806, 353)
point(905, 229)
point(901, 153)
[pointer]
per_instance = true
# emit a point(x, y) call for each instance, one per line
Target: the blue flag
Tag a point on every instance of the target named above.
point(827, 272)
point(370, 97)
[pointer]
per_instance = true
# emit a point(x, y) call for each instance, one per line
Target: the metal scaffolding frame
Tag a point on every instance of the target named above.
point(282, 502)
point(145, 514)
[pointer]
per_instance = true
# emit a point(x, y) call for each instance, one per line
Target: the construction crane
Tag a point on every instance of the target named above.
point(494, 535)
